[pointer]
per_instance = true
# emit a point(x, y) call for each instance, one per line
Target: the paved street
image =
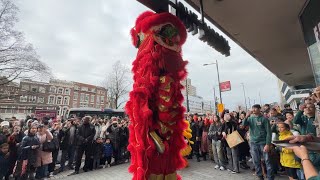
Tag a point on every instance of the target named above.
point(203, 170)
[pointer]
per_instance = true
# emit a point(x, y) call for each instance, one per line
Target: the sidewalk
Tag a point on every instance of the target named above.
point(197, 170)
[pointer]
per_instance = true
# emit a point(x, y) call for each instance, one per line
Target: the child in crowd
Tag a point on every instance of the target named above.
point(108, 152)
point(98, 152)
point(4, 159)
point(287, 157)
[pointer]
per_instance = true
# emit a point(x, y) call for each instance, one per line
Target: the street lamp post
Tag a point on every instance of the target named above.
point(244, 95)
point(187, 96)
point(217, 66)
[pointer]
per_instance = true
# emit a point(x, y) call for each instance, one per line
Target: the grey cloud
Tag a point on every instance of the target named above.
point(80, 40)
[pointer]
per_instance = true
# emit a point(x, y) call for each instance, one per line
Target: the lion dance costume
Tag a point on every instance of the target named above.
point(155, 105)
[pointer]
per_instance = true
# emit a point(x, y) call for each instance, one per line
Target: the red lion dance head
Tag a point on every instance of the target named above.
point(155, 105)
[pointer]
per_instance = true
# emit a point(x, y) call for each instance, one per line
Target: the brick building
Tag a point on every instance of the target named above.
point(22, 100)
point(86, 95)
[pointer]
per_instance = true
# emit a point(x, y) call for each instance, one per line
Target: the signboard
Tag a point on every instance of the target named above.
point(220, 107)
point(225, 86)
point(40, 114)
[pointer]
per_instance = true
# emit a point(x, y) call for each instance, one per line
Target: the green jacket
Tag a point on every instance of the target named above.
point(260, 130)
point(305, 123)
point(315, 178)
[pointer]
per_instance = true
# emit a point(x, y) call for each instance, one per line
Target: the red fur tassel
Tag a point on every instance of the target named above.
point(152, 62)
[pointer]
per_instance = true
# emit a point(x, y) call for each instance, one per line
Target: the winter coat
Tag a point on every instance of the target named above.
point(287, 157)
point(44, 158)
point(4, 164)
point(114, 135)
point(214, 130)
point(194, 128)
point(107, 150)
point(65, 137)
point(306, 123)
point(98, 129)
point(98, 150)
point(27, 153)
point(124, 136)
point(85, 134)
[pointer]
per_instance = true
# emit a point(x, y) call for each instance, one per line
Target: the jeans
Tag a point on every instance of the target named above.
point(70, 153)
point(84, 149)
point(217, 152)
point(258, 154)
point(42, 171)
point(233, 159)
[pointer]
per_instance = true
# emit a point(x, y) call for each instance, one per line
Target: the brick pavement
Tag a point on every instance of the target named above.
point(196, 171)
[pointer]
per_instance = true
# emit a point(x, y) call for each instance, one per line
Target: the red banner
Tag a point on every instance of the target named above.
point(225, 86)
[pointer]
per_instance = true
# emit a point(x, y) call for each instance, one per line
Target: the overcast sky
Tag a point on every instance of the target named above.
point(80, 40)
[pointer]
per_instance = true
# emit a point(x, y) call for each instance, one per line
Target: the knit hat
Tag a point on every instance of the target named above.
point(4, 123)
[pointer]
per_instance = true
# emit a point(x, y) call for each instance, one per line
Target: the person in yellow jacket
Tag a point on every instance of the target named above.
point(287, 157)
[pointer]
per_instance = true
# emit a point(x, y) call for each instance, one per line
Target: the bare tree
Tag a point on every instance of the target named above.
point(117, 83)
point(18, 59)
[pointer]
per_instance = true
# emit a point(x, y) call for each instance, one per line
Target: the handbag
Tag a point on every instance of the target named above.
point(48, 146)
point(234, 139)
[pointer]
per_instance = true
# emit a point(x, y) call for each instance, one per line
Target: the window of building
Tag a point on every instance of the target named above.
point(25, 87)
point(23, 98)
point(42, 89)
point(53, 89)
point(40, 99)
point(66, 101)
point(60, 90)
point(93, 90)
point(67, 91)
point(76, 87)
point(87, 98)
point(92, 99)
point(102, 99)
point(3, 109)
point(84, 88)
point(82, 97)
point(32, 98)
point(34, 89)
point(59, 100)
point(51, 100)
point(75, 96)
point(98, 99)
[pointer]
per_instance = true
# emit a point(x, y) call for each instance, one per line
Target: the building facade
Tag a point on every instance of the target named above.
point(86, 95)
point(23, 99)
point(60, 93)
point(192, 90)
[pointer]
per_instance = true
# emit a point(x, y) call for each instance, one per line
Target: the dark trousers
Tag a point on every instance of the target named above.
point(52, 166)
point(67, 153)
point(84, 149)
point(106, 160)
point(197, 148)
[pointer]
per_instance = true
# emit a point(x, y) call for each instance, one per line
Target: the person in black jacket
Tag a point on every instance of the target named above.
point(29, 146)
point(114, 134)
point(194, 134)
point(85, 135)
point(198, 121)
point(215, 136)
point(68, 139)
point(14, 142)
point(232, 153)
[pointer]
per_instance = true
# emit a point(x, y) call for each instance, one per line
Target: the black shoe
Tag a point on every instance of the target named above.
point(57, 171)
point(198, 159)
point(74, 173)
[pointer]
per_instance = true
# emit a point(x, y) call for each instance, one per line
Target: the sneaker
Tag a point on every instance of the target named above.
point(229, 170)
point(216, 167)
point(222, 168)
point(234, 172)
point(109, 165)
